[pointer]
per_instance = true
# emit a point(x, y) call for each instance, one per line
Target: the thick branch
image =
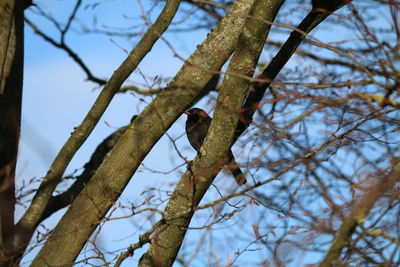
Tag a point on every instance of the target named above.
point(64, 199)
point(196, 181)
point(6, 47)
point(11, 76)
point(35, 211)
point(70, 235)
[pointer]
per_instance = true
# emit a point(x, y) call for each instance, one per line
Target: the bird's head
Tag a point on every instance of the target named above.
point(196, 112)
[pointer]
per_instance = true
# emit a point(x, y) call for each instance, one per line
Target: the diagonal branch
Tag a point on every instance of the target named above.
point(358, 216)
point(64, 199)
point(222, 134)
point(32, 216)
point(69, 51)
point(110, 179)
point(196, 181)
point(321, 10)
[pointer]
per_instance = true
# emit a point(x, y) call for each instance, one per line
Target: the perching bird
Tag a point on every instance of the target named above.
point(197, 125)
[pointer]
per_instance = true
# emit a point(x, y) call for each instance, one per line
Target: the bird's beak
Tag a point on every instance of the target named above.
point(186, 112)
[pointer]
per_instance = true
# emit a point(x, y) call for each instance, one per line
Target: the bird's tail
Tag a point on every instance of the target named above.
point(236, 171)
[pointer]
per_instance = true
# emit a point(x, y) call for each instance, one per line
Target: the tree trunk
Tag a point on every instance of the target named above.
point(11, 74)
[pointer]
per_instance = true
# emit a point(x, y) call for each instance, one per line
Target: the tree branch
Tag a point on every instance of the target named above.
point(321, 10)
point(213, 154)
point(11, 77)
point(68, 50)
point(64, 199)
point(32, 216)
point(358, 216)
point(98, 196)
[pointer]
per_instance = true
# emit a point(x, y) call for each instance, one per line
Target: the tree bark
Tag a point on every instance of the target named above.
point(86, 212)
point(194, 184)
point(29, 221)
point(11, 76)
point(225, 127)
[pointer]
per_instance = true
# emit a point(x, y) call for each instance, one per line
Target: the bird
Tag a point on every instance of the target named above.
point(197, 124)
